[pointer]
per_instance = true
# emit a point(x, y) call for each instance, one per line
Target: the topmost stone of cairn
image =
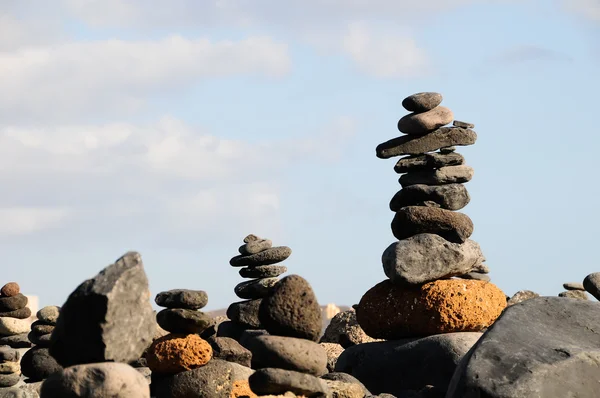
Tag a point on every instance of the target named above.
point(422, 102)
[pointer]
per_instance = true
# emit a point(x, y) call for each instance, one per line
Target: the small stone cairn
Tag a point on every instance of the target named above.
point(14, 317)
point(421, 296)
point(10, 371)
point(260, 262)
point(574, 290)
point(37, 364)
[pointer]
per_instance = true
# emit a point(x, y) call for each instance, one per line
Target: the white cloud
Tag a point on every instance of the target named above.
point(114, 76)
point(15, 221)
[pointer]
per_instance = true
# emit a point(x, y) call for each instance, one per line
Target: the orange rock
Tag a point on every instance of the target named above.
point(10, 289)
point(176, 353)
point(389, 311)
point(241, 389)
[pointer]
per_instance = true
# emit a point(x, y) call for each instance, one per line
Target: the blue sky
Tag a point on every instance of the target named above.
point(177, 128)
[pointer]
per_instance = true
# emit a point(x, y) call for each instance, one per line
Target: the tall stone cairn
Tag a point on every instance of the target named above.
point(437, 280)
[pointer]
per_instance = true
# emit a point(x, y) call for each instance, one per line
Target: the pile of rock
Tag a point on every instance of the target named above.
point(10, 371)
point(37, 364)
point(260, 262)
point(14, 314)
point(574, 290)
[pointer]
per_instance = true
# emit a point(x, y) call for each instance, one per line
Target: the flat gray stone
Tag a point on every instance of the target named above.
point(428, 161)
point(16, 341)
point(278, 381)
point(544, 347)
point(263, 271)
point(230, 350)
point(245, 313)
point(180, 320)
point(478, 276)
point(427, 257)
point(213, 380)
point(424, 122)
point(592, 284)
point(255, 246)
point(255, 289)
point(458, 123)
point(416, 145)
point(107, 318)
point(22, 313)
point(450, 197)
point(413, 220)
point(40, 327)
point(422, 102)
point(287, 353)
point(13, 303)
point(444, 175)
point(182, 298)
point(574, 286)
point(270, 256)
point(574, 294)
point(521, 296)
point(447, 150)
point(40, 340)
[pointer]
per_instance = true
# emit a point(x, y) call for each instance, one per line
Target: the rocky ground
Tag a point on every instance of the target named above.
point(435, 327)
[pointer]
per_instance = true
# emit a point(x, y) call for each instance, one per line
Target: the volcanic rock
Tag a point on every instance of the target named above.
point(575, 294)
point(175, 353)
point(255, 246)
point(270, 256)
point(521, 296)
point(425, 122)
point(245, 313)
point(333, 351)
point(428, 161)
point(13, 303)
point(441, 176)
point(37, 364)
point(8, 354)
point(182, 298)
point(212, 380)
point(22, 313)
point(278, 381)
point(413, 220)
point(16, 341)
point(263, 271)
point(422, 102)
point(179, 320)
point(344, 329)
point(230, 350)
point(49, 314)
point(465, 125)
point(416, 145)
point(10, 289)
point(256, 288)
point(450, 196)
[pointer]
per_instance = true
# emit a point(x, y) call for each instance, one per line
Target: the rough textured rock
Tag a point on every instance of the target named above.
point(395, 366)
point(520, 296)
point(333, 351)
point(425, 122)
point(245, 313)
point(255, 246)
point(9, 367)
point(9, 380)
point(182, 298)
point(13, 303)
point(41, 340)
point(49, 314)
point(544, 347)
point(22, 313)
point(422, 102)
point(97, 380)
point(263, 271)
point(444, 175)
point(278, 381)
point(270, 256)
point(591, 283)
point(39, 327)
point(427, 257)
point(37, 364)
point(231, 329)
point(292, 310)
point(212, 380)
point(388, 311)
point(255, 289)
point(10, 289)
point(240, 372)
point(344, 329)
point(346, 378)
point(241, 389)
point(413, 220)
point(416, 145)
point(428, 161)
point(450, 197)
point(573, 286)
point(177, 353)
point(287, 353)
point(16, 341)
point(466, 125)
point(179, 320)
point(107, 318)
point(17, 392)
point(12, 326)
point(340, 389)
point(228, 349)
point(575, 294)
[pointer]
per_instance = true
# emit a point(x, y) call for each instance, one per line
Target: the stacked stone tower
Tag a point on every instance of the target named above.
point(422, 295)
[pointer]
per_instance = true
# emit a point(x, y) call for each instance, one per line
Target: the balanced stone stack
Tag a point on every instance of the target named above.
point(37, 364)
point(260, 262)
point(574, 290)
point(10, 371)
point(420, 298)
point(14, 314)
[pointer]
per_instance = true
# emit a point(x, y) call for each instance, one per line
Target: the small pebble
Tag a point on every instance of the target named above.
point(10, 289)
point(464, 125)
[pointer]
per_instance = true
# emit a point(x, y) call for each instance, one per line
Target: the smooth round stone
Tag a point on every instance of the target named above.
point(279, 381)
point(22, 313)
point(8, 354)
point(251, 238)
point(591, 283)
point(16, 341)
point(9, 367)
point(13, 326)
point(178, 320)
point(9, 380)
point(444, 175)
point(182, 298)
point(245, 313)
point(573, 286)
point(422, 102)
point(37, 364)
point(263, 271)
point(270, 256)
point(417, 145)
point(428, 161)
point(575, 294)
point(13, 303)
point(465, 125)
point(255, 289)
point(426, 122)
point(287, 353)
point(10, 289)
point(449, 196)
point(49, 314)
point(41, 327)
point(413, 220)
point(255, 246)
point(42, 340)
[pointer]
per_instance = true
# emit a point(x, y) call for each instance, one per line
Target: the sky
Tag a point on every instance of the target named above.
point(177, 128)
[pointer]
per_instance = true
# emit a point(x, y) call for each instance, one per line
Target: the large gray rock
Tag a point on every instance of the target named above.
point(107, 318)
point(416, 145)
point(413, 220)
point(428, 161)
point(444, 175)
point(591, 283)
point(450, 197)
point(410, 364)
point(37, 364)
point(96, 380)
point(278, 381)
point(426, 257)
point(543, 347)
point(213, 380)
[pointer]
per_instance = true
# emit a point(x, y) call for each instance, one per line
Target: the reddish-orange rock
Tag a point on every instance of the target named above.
point(176, 353)
point(389, 311)
point(10, 289)
point(241, 389)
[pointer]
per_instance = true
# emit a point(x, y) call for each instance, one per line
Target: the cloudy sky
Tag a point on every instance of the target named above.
point(175, 128)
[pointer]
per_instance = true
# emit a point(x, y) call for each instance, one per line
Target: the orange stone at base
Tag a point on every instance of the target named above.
point(391, 312)
point(241, 389)
point(176, 353)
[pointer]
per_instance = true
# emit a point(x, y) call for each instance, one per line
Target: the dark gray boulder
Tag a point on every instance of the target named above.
point(230, 350)
point(37, 364)
point(107, 318)
point(591, 284)
point(213, 380)
point(278, 381)
point(449, 197)
point(543, 347)
point(245, 313)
